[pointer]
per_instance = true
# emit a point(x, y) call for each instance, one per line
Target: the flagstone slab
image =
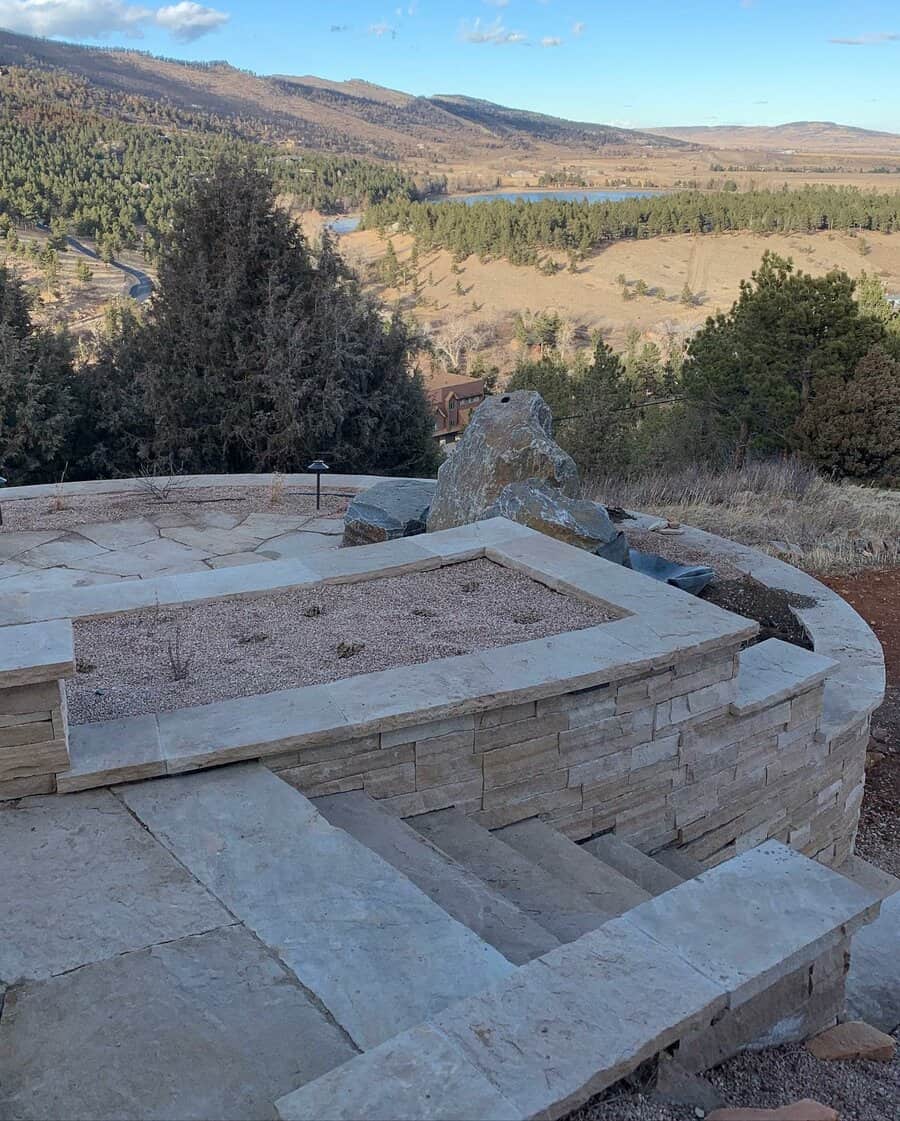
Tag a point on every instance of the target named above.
point(112, 751)
point(15, 541)
point(119, 535)
point(377, 952)
point(68, 548)
point(36, 652)
point(235, 560)
point(212, 541)
point(298, 544)
point(88, 883)
point(212, 1026)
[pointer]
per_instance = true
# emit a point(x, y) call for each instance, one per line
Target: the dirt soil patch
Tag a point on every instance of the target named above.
point(162, 659)
point(770, 607)
point(859, 1091)
point(64, 512)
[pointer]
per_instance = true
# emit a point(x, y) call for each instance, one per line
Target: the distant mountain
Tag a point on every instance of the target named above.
point(354, 117)
point(803, 136)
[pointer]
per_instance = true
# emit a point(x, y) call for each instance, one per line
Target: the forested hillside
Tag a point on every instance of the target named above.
point(516, 229)
point(112, 165)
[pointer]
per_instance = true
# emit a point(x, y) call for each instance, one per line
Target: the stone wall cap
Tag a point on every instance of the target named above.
point(35, 652)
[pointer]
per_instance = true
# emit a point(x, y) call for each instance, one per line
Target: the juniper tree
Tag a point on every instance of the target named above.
point(263, 355)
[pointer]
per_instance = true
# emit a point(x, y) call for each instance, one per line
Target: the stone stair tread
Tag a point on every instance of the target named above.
point(679, 862)
point(646, 872)
point(378, 953)
point(454, 888)
point(868, 875)
point(560, 908)
point(552, 1035)
point(567, 861)
point(774, 671)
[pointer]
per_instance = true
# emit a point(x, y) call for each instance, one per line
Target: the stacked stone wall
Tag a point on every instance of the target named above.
point(33, 739)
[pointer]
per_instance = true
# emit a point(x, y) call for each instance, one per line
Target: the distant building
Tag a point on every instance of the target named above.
point(452, 405)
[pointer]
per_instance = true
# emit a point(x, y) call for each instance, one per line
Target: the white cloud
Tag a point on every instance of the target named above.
point(551, 41)
point(187, 21)
point(97, 19)
point(379, 30)
point(579, 28)
point(497, 3)
point(868, 40)
point(495, 33)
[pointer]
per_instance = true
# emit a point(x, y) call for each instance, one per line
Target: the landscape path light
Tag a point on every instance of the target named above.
point(317, 467)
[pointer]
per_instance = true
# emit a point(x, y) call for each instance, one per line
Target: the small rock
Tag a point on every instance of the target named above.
point(879, 733)
point(678, 1086)
point(807, 1109)
point(854, 1039)
point(349, 649)
point(390, 509)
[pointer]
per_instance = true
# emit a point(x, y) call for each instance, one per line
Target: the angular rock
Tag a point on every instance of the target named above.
point(807, 1109)
point(390, 509)
point(678, 1086)
point(852, 1040)
point(573, 520)
point(508, 440)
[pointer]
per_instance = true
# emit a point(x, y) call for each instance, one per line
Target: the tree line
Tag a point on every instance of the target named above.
point(257, 353)
point(516, 230)
point(799, 365)
point(112, 166)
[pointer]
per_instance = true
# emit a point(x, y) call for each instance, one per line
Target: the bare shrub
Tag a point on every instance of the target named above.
point(159, 488)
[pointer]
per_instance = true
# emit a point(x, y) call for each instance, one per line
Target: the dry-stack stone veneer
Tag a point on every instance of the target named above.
point(660, 725)
point(34, 659)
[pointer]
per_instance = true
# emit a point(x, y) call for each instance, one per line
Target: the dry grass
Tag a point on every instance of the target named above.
point(781, 507)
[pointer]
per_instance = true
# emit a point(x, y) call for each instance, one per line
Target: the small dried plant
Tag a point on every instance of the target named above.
point(313, 611)
point(158, 488)
point(58, 501)
point(179, 658)
point(276, 489)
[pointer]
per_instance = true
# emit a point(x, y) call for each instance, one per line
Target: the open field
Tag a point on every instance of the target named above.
point(713, 265)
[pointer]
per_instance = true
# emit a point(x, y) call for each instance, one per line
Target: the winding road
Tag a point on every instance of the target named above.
point(141, 290)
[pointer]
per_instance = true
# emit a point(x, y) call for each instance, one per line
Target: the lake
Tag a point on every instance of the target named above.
point(349, 223)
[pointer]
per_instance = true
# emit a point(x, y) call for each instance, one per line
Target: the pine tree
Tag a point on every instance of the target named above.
point(35, 392)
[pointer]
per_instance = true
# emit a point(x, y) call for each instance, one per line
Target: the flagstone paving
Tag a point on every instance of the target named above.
point(168, 542)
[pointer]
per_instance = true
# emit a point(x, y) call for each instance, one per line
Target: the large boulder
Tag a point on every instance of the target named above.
point(573, 520)
point(392, 508)
point(508, 440)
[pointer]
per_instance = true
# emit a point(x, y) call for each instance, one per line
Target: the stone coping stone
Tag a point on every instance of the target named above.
point(379, 954)
point(330, 484)
point(672, 625)
point(753, 919)
point(856, 687)
point(36, 652)
point(553, 1033)
point(774, 671)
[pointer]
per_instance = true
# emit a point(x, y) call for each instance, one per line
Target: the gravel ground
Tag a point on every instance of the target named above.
point(859, 1091)
point(68, 513)
point(238, 647)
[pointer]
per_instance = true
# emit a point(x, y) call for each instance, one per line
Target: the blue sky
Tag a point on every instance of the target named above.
point(656, 62)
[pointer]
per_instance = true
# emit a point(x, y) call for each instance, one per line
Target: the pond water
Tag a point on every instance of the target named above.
point(350, 222)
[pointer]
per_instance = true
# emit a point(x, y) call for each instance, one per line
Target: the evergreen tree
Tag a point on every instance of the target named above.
point(852, 425)
point(262, 356)
point(35, 392)
point(754, 369)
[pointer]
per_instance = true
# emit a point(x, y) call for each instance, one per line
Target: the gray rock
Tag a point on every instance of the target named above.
point(677, 1086)
point(873, 983)
point(508, 440)
point(573, 520)
point(390, 509)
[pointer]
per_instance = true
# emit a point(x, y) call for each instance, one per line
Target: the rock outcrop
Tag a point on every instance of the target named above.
point(573, 520)
point(392, 508)
point(508, 440)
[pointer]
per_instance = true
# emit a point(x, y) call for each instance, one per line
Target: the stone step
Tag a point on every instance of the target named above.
point(374, 949)
point(679, 862)
point(543, 1041)
point(867, 875)
point(460, 892)
point(569, 862)
point(646, 872)
point(557, 906)
point(873, 982)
